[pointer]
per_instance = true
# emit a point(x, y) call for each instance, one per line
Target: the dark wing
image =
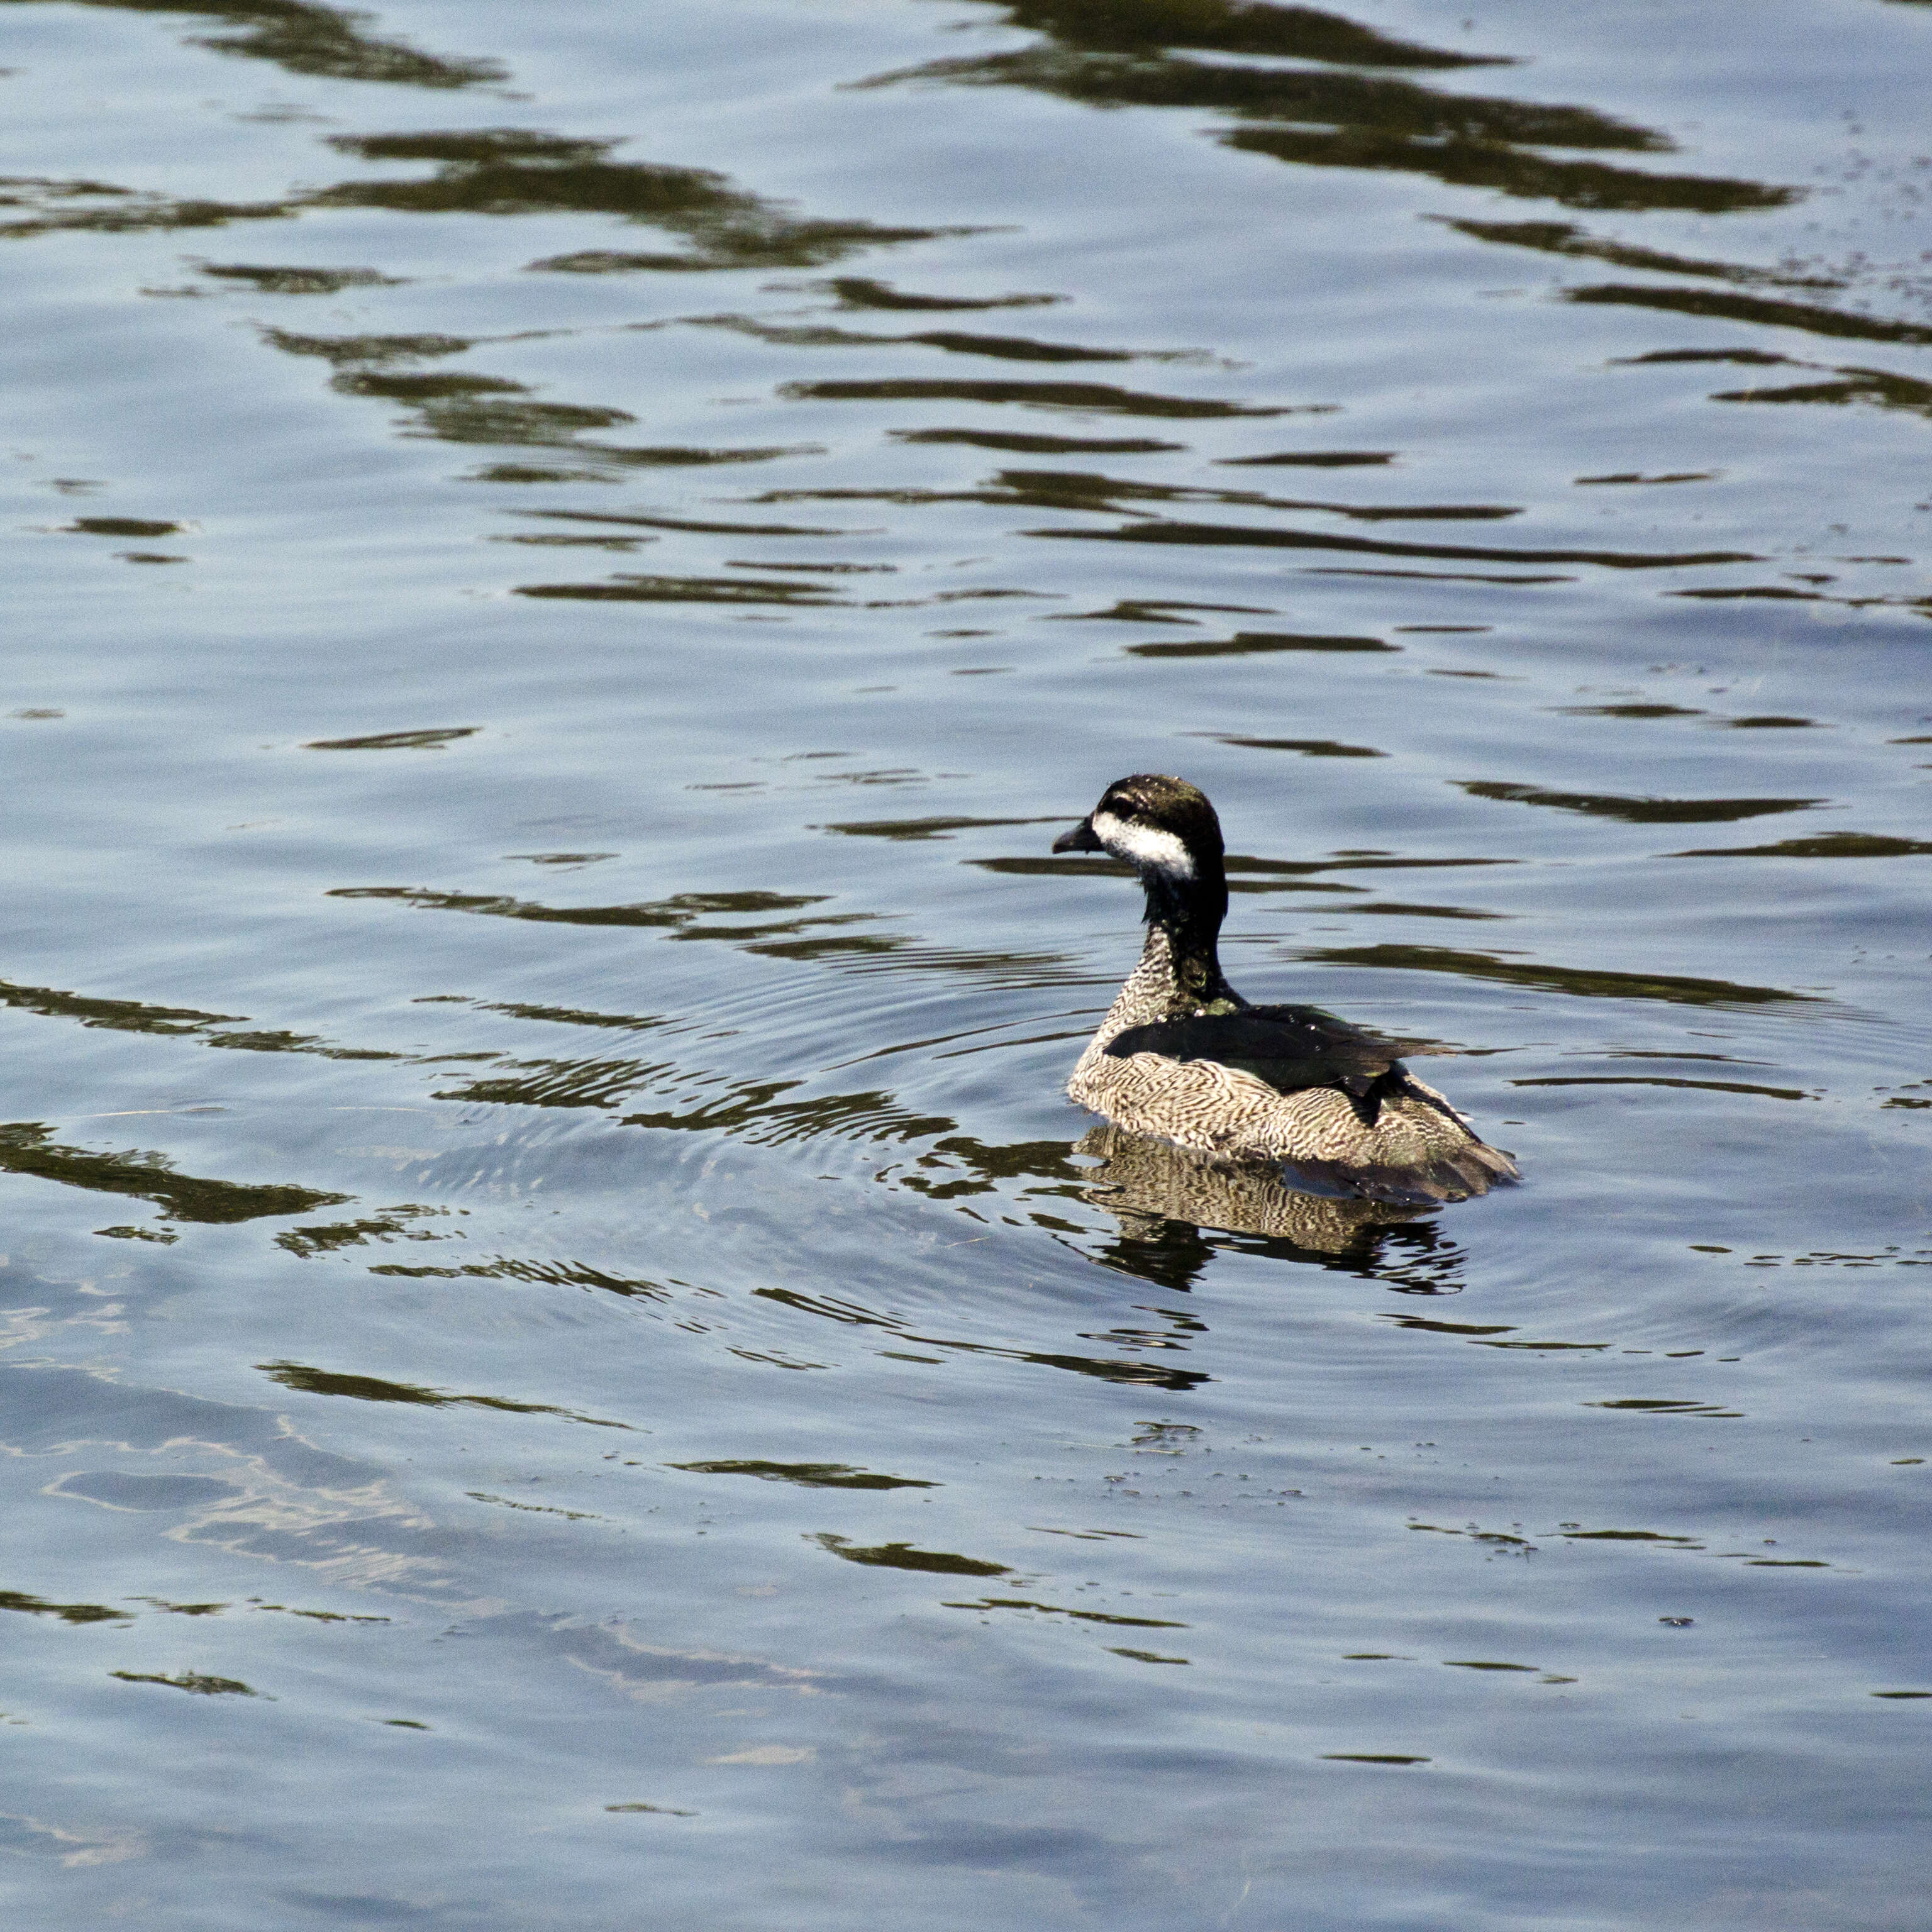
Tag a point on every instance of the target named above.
point(1291, 1047)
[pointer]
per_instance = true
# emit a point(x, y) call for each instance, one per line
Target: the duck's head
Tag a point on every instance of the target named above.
point(1164, 828)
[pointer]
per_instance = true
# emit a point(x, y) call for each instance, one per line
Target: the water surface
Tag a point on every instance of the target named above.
point(566, 566)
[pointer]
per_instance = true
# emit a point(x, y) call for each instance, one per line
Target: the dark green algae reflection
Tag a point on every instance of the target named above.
point(1380, 116)
point(309, 1381)
point(305, 39)
point(27, 1147)
point(1338, 111)
point(494, 171)
point(1354, 105)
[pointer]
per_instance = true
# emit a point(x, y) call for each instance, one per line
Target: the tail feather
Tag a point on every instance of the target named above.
point(1454, 1174)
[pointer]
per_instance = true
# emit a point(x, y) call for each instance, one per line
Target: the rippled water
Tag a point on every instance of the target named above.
point(567, 1363)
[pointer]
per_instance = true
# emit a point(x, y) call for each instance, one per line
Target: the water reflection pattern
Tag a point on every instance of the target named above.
point(634, 1353)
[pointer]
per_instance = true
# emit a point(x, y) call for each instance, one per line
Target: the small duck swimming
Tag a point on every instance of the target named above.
point(1182, 1055)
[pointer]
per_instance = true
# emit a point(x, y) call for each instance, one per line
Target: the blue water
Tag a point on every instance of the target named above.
point(567, 1362)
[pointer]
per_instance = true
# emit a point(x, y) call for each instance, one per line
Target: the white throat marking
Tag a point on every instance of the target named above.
point(1141, 845)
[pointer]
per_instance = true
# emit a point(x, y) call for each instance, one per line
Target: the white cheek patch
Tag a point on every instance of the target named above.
point(1141, 845)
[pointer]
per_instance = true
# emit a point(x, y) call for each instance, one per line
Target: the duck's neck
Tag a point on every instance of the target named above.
point(1184, 918)
point(1177, 976)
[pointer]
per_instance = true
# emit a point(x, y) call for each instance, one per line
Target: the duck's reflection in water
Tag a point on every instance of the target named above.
point(1172, 1203)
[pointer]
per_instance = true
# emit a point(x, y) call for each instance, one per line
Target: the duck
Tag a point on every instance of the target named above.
point(1183, 1057)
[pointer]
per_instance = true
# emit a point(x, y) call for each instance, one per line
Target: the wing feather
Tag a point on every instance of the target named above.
point(1291, 1049)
